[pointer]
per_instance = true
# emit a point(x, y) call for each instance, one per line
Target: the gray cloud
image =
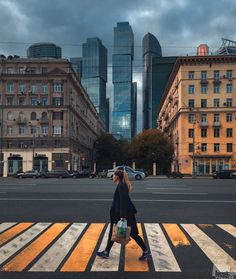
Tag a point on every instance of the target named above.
point(179, 25)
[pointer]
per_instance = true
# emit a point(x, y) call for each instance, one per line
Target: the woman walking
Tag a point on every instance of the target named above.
point(123, 209)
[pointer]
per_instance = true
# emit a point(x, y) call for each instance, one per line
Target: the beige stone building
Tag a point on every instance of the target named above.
point(198, 111)
point(47, 119)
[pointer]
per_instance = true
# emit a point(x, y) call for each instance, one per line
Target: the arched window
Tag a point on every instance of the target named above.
point(10, 116)
point(44, 116)
point(33, 116)
point(21, 115)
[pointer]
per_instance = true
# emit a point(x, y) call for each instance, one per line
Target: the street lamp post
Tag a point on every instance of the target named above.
point(193, 168)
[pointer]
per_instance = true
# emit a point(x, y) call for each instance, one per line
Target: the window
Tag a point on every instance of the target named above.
point(216, 132)
point(33, 88)
point(229, 88)
point(229, 102)
point(216, 75)
point(44, 116)
point(44, 101)
point(229, 117)
point(9, 116)
point(21, 129)
point(191, 75)
point(57, 143)
point(203, 89)
point(57, 130)
point(191, 118)
point(203, 75)
point(33, 130)
point(203, 118)
point(9, 130)
point(22, 70)
point(44, 70)
point(10, 88)
point(34, 101)
point(216, 89)
point(57, 115)
point(216, 147)
point(21, 87)
point(21, 101)
point(33, 116)
point(10, 70)
point(58, 87)
point(21, 145)
point(10, 101)
point(44, 130)
point(33, 70)
point(191, 89)
point(203, 103)
point(229, 132)
point(204, 147)
point(9, 145)
point(204, 133)
point(190, 147)
point(57, 101)
point(190, 133)
point(191, 103)
point(44, 88)
point(216, 117)
point(229, 74)
point(229, 147)
point(216, 103)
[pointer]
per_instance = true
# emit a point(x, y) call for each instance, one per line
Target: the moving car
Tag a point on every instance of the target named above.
point(28, 174)
point(55, 174)
point(144, 171)
point(224, 174)
point(133, 174)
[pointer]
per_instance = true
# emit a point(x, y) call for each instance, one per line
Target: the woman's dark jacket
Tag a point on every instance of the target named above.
point(122, 207)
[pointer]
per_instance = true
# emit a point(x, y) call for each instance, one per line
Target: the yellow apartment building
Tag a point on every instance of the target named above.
point(198, 112)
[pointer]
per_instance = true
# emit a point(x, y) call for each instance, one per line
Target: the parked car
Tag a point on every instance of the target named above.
point(176, 174)
point(102, 174)
point(133, 174)
point(28, 174)
point(224, 174)
point(83, 173)
point(55, 174)
point(144, 171)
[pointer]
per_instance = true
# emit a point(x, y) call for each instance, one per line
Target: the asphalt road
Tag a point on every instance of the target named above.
point(186, 212)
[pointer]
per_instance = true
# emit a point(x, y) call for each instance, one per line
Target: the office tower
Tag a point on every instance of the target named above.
point(76, 63)
point(44, 50)
point(134, 109)
point(151, 48)
point(94, 73)
point(122, 60)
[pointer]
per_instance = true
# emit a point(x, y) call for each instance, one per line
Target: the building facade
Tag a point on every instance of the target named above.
point(94, 73)
point(198, 112)
point(47, 119)
point(76, 63)
point(151, 48)
point(44, 50)
point(123, 94)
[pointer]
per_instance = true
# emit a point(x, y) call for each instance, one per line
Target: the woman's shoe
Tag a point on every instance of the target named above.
point(146, 255)
point(104, 254)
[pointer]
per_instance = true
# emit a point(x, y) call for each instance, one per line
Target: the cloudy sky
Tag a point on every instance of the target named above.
point(179, 25)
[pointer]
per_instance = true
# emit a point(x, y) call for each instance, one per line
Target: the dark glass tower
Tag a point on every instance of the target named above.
point(44, 50)
point(94, 74)
point(151, 48)
point(122, 61)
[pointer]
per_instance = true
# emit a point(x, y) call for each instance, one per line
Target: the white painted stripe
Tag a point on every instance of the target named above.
point(19, 242)
point(162, 256)
point(5, 226)
point(111, 264)
point(167, 193)
point(228, 228)
point(222, 261)
point(54, 256)
point(108, 200)
point(169, 188)
point(3, 192)
point(11, 188)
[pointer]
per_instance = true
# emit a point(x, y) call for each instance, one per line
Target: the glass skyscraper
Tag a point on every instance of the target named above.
point(44, 50)
point(123, 114)
point(94, 73)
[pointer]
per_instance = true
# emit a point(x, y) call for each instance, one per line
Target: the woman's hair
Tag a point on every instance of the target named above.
point(123, 176)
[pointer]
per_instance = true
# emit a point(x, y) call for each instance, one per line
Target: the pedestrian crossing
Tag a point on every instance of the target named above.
point(71, 247)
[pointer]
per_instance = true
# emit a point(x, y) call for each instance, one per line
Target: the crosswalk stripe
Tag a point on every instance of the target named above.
point(111, 264)
point(132, 253)
point(80, 256)
point(5, 226)
point(228, 228)
point(176, 235)
point(222, 261)
point(7, 235)
point(19, 242)
point(162, 255)
point(26, 256)
point(54, 256)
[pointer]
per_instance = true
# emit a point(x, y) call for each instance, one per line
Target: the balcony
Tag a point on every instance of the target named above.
point(216, 124)
point(216, 81)
point(204, 81)
point(203, 124)
point(21, 121)
point(44, 120)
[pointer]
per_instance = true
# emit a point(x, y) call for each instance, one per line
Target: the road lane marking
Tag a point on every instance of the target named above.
point(221, 260)
point(162, 193)
point(176, 235)
point(26, 256)
point(162, 255)
point(228, 228)
point(111, 264)
point(80, 256)
point(132, 253)
point(5, 236)
point(5, 226)
point(19, 242)
point(169, 188)
point(54, 256)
